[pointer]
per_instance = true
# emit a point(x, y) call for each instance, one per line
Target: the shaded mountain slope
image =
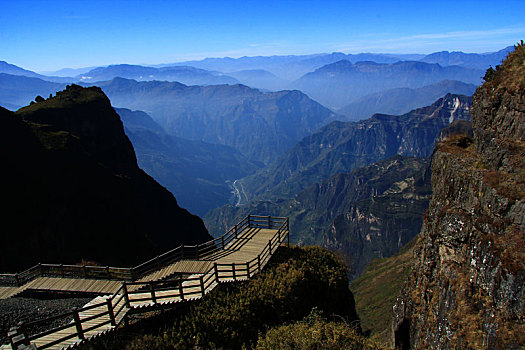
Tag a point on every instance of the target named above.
point(75, 191)
point(196, 172)
point(376, 291)
point(341, 147)
point(403, 100)
point(260, 125)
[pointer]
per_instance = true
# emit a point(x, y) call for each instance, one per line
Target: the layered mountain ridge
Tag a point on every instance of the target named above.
point(403, 100)
point(339, 84)
point(341, 147)
point(259, 125)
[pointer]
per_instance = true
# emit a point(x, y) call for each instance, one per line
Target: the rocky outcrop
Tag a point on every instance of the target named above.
point(466, 287)
point(74, 191)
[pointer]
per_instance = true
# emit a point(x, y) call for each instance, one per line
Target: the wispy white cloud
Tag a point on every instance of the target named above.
point(463, 40)
point(466, 41)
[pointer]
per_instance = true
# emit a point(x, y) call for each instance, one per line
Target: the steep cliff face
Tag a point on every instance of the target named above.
point(74, 191)
point(466, 287)
point(382, 224)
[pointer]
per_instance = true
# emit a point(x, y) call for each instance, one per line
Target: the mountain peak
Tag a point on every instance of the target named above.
point(498, 117)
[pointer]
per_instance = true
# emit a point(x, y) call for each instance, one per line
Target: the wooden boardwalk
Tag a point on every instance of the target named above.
point(237, 255)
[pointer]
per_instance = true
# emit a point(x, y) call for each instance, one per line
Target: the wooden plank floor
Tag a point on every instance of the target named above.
point(6, 292)
point(73, 285)
point(244, 248)
point(241, 250)
point(88, 335)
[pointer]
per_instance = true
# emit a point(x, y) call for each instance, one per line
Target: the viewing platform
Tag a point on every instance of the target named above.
point(182, 274)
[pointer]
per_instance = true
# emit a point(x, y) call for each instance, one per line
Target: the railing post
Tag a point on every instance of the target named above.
point(233, 272)
point(196, 252)
point(107, 271)
point(110, 311)
point(269, 222)
point(18, 335)
point(126, 295)
point(270, 246)
point(17, 280)
point(202, 285)
point(222, 240)
point(216, 271)
point(78, 324)
point(249, 220)
point(259, 262)
point(181, 288)
point(152, 291)
point(248, 269)
point(236, 230)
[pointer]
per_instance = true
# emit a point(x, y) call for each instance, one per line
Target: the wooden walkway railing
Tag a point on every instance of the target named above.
point(104, 313)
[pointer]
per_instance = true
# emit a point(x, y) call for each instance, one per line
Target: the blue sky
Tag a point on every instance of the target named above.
point(49, 35)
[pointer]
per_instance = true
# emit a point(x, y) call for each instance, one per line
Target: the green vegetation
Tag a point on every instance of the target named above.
point(315, 332)
point(377, 289)
point(235, 315)
point(511, 73)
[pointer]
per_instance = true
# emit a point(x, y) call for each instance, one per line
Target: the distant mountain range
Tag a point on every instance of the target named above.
point(74, 190)
point(260, 125)
point(340, 83)
point(182, 74)
point(260, 79)
point(402, 100)
point(469, 60)
point(289, 67)
point(8, 68)
point(196, 172)
point(17, 90)
point(341, 147)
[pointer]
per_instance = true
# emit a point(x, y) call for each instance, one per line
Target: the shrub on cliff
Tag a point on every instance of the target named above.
point(235, 315)
point(315, 332)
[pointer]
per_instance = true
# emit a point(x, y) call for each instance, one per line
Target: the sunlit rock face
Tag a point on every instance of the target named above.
point(466, 288)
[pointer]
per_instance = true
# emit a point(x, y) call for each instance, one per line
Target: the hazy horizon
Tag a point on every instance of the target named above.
point(48, 36)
